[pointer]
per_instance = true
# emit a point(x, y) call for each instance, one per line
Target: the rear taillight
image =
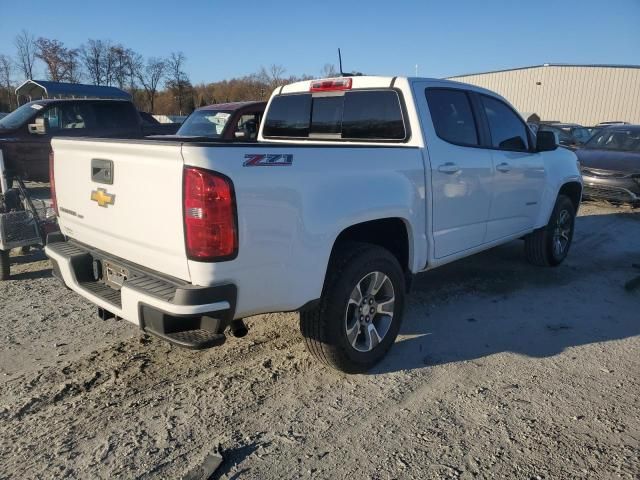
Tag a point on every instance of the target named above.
point(331, 85)
point(52, 183)
point(209, 215)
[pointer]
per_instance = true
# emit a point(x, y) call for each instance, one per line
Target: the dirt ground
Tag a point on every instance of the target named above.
point(502, 370)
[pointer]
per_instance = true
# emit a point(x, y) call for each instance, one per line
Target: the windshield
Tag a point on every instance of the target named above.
point(16, 118)
point(205, 123)
point(622, 140)
point(581, 134)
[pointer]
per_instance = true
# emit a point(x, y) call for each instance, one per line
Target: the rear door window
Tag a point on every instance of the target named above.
point(354, 115)
point(508, 131)
point(452, 116)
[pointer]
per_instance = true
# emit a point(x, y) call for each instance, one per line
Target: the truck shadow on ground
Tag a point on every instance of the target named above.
point(34, 255)
point(496, 302)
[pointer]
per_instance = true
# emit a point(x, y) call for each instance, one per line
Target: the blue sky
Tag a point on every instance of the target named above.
point(231, 38)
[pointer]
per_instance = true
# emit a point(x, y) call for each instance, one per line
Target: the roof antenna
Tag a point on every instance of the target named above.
point(340, 62)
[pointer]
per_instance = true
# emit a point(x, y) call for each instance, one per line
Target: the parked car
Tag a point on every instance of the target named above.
point(594, 130)
point(610, 164)
point(570, 135)
point(152, 126)
point(330, 213)
point(25, 134)
point(238, 121)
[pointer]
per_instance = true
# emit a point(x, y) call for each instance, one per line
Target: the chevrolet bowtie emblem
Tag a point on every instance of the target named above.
point(102, 197)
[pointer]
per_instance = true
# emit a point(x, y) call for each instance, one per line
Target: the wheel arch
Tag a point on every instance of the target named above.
point(573, 190)
point(570, 186)
point(392, 233)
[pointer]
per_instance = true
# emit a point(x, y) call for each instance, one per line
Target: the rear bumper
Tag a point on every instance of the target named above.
point(177, 311)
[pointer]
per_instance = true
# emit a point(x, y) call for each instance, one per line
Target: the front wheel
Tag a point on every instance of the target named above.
point(360, 311)
point(549, 245)
point(4, 265)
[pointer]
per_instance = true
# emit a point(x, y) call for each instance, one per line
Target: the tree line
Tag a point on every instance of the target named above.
point(157, 84)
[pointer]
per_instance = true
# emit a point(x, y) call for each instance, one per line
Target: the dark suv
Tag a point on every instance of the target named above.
point(25, 134)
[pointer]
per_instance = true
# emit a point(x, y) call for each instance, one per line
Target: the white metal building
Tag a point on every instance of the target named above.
point(584, 94)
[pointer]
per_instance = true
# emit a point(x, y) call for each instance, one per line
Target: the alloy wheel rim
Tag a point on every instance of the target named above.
point(369, 312)
point(561, 233)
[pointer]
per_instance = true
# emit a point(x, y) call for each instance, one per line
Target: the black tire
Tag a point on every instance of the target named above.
point(4, 265)
point(324, 327)
point(24, 250)
point(539, 245)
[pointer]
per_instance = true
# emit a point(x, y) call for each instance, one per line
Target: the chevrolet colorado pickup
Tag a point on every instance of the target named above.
point(355, 185)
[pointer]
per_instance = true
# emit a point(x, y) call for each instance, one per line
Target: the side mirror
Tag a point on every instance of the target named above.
point(40, 127)
point(240, 134)
point(546, 141)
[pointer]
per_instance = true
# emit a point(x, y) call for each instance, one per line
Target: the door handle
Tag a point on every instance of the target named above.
point(503, 167)
point(449, 168)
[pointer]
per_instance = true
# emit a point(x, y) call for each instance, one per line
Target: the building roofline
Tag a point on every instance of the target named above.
point(584, 65)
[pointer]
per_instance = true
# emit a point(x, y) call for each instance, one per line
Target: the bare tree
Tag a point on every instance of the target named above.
point(277, 73)
point(25, 44)
point(61, 62)
point(108, 66)
point(93, 55)
point(178, 81)
point(272, 76)
point(329, 70)
point(6, 70)
point(136, 64)
point(74, 69)
point(121, 64)
point(150, 77)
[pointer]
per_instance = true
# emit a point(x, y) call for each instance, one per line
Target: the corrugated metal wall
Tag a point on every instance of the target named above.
point(579, 94)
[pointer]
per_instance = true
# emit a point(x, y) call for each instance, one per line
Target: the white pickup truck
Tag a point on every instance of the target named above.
point(356, 184)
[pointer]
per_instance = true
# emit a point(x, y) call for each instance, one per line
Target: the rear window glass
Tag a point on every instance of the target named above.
point(366, 115)
point(372, 115)
point(289, 116)
point(326, 115)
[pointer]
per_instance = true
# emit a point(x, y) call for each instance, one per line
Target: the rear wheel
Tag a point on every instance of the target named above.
point(360, 311)
point(549, 246)
point(4, 265)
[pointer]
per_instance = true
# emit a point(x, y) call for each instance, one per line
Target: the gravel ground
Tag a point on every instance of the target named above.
point(502, 370)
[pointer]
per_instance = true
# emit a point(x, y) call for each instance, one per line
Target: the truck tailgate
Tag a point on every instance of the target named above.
point(124, 198)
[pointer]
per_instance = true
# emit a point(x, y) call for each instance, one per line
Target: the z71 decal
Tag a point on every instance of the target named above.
point(268, 160)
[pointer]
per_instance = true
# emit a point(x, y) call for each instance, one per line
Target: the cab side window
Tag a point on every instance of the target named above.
point(508, 131)
point(52, 118)
point(452, 116)
point(247, 127)
point(67, 116)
